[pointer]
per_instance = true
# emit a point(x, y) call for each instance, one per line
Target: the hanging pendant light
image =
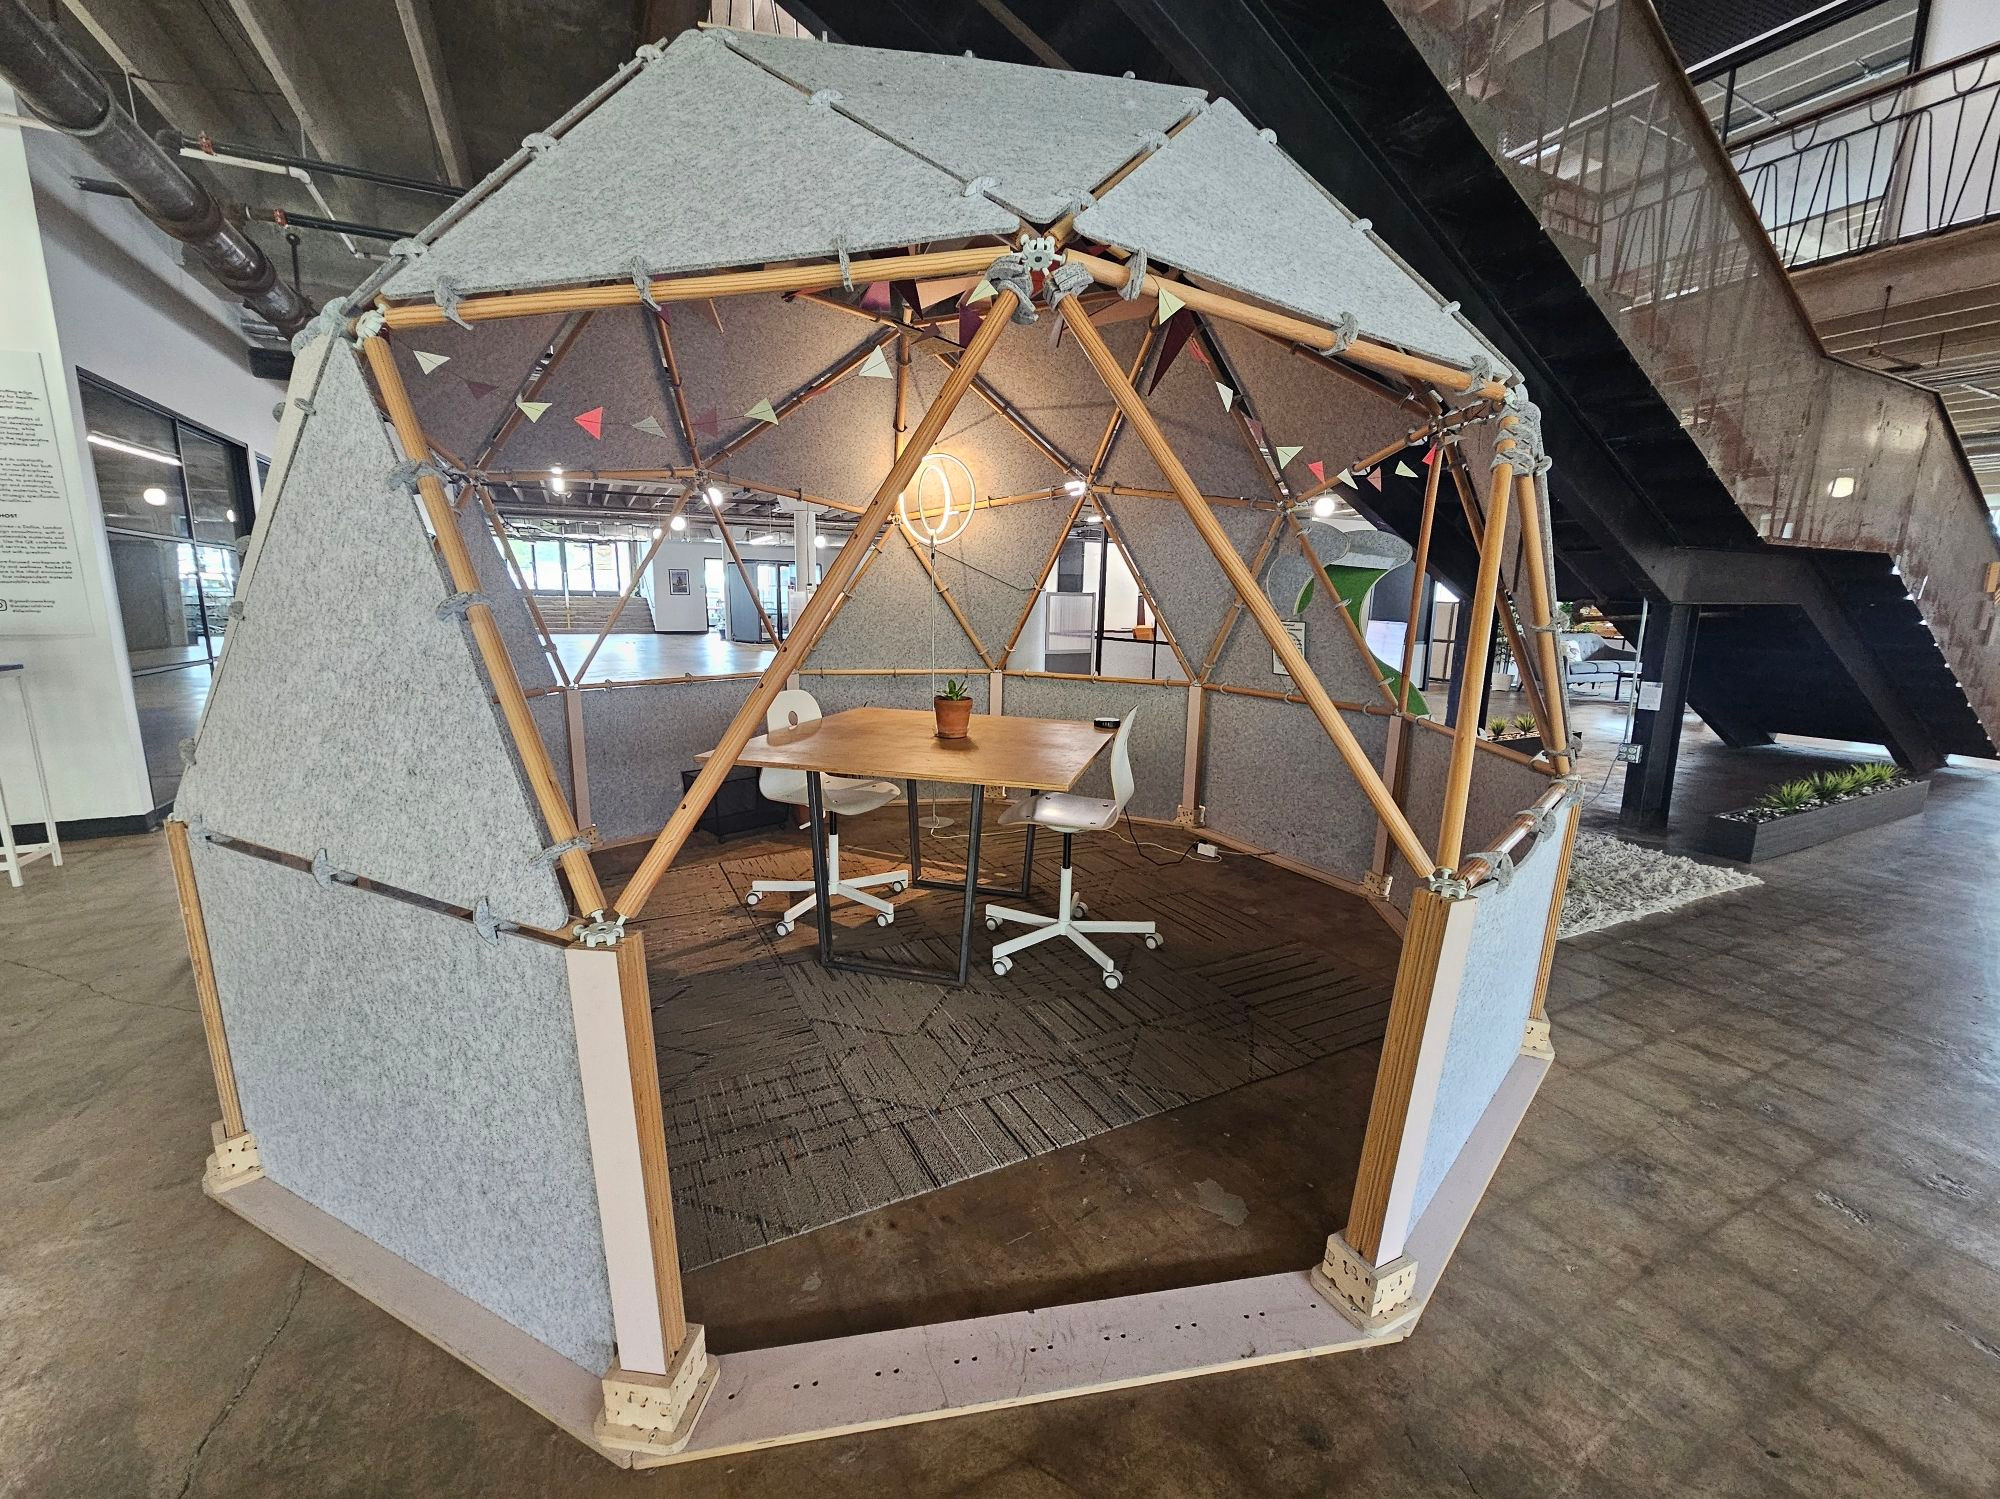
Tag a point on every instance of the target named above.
point(937, 506)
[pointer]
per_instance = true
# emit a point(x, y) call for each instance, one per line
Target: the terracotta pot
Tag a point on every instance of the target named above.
point(954, 716)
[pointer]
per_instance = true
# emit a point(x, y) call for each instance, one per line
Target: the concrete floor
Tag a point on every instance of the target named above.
point(1748, 1242)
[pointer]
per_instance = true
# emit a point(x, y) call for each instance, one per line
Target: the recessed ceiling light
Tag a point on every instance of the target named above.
point(556, 480)
point(153, 495)
point(1323, 507)
point(658, 533)
point(819, 541)
point(100, 440)
point(715, 495)
point(230, 516)
point(1841, 487)
point(678, 523)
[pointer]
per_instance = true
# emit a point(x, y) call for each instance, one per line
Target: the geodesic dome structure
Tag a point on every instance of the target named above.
point(797, 273)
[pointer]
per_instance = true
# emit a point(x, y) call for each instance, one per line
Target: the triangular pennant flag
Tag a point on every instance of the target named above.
point(1317, 468)
point(876, 365)
point(979, 293)
point(1344, 477)
point(1169, 305)
point(592, 421)
point(1375, 477)
point(427, 362)
point(912, 299)
point(1286, 455)
point(1171, 344)
point(969, 319)
point(1404, 471)
point(762, 412)
point(651, 425)
point(532, 410)
point(1430, 455)
point(480, 389)
point(875, 296)
point(708, 423)
point(1228, 395)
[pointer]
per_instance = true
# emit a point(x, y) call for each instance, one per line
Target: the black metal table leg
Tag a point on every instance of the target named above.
point(822, 877)
point(971, 885)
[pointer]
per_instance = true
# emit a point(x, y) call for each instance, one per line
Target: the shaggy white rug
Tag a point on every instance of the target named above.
point(1611, 882)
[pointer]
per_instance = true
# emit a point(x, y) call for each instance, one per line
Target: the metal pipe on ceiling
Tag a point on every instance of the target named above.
point(283, 217)
point(208, 147)
point(58, 86)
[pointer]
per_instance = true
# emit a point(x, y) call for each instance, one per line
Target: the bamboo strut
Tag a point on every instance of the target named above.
point(1235, 609)
point(806, 632)
point(1246, 585)
point(209, 1000)
point(1132, 566)
point(1530, 672)
point(1042, 576)
point(1321, 580)
point(823, 276)
point(819, 385)
point(1479, 867)
point(1541, 592)
point(541, 777)
point(565, 340)
point(1479, 635)
point(1361, 351)
point(649, 1115)
point(1421, 562)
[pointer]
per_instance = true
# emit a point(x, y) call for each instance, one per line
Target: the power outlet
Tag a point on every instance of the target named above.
point(1207, 851)
point(1629, 754)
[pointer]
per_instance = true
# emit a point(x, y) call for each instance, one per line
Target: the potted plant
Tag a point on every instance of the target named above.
point(1799, 813)
point(953, 708)
point(1516, 733)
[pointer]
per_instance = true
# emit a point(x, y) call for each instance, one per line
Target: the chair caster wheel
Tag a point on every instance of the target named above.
point(1079, 911)
point(884, 919)
point(753, 897)
point(1154, 939)
point(992, 923)
point(1001, 965)
point(1113, 979)
point(897, 887)
point(783, 929)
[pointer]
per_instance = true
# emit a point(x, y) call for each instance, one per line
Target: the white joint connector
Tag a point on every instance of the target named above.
point(1375, 1298)
point(653, 1415)
point(234, 1161)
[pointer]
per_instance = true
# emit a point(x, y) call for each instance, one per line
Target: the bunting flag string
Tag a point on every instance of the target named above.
point(707, 423)
point(480, 389)
point(650, 425)
point(532, 410)
point(762, 412)
point(1171, 343)
point(1228, 395)
point(1286, 455)
point(1317, 468)
point(427, 361)
point(592, 421)
point(1169, 305)
point(1404, 471)
point(1375, 477)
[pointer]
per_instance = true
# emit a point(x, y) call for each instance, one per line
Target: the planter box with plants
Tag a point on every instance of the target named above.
point(1798, 814)
point(1516, 734)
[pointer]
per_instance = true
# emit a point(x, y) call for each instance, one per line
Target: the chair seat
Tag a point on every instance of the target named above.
point(1061, 812)
point(849, 797)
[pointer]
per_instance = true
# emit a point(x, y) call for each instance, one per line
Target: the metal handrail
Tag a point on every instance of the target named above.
point(1866, 96)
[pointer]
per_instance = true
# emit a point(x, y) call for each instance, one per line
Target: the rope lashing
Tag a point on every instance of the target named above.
point(1501, 864)
point(408, 249)
point(1479, 371)
point(487, 924)
point(538, 144)
point(550, 856)
point(404, 476)
point(369, 325)
point(846, 264)
point(824, 98)
point(186, 747)
point(331, 318)
point(1135, 277)
point(1344, 333)
point(643, 280)
point(458, 605)
point(445, 292)
point(1010, 273)
point(979, 185)
point(327, 876)
point(1066, 281)
point(1528, 455)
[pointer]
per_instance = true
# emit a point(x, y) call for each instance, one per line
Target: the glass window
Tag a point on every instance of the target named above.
point(605, 557)
point(576, 560)
point(137, 459)
point(218, 489)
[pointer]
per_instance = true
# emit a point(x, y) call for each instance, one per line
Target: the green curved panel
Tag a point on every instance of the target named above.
point(1352, 585)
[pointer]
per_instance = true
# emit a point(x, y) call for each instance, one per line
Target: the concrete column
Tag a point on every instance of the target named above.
point(805, 525)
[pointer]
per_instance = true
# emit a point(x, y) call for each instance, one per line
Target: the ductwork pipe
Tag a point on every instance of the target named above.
point(56, 85)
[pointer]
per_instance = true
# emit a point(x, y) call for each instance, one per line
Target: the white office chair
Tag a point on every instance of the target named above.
point(838, 794)
point(1070, 815)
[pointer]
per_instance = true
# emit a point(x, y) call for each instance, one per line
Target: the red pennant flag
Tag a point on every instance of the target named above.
point(707, 423)
point(875, 296)
point(1318, 469)
point(1180, 327)
point(480, 389)
point(592, 421)
point(1375, 477)
point(1430, 455)
point(969, 319)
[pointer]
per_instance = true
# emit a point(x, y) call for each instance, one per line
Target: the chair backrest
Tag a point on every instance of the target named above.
point(788, 709)
point(1121, 762)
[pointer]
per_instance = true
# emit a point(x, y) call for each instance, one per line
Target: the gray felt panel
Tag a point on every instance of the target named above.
point(1193, 592)
point(1054, 387)
point(614, 368)
point(895, 618)
point(840, 445)
point(463, 402)
point(994, 568)
point(639, 740)
point(1003, 462)
point(351, 717)
point(1331, 649)
point(736, 351)
point(418, 1083)
point(1207, 439)
point(972, 118)
point(510, 609)
point(1334, 421)
point(701, 160)
point(1272, 778)
point(1219, 201)
point(1494, 1000)
point(1159, 734)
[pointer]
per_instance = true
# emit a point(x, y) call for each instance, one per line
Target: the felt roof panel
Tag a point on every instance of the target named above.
point(1222, 202)
point(1045, 134)
point(702, 160)
point(462, 402)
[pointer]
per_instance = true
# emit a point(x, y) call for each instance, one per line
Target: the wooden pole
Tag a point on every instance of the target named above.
point(1541, 614)
point(535, 763)
point(1042, 576)
point(936, 265)
point(1235, 609)
point(204, 981)
point(819, 385)
point(1479, 634)
point(1246, 585)
point(1361, 351)
point(1504, 607)
point(1421, 562)
point(806, 632)
point(642, 1054)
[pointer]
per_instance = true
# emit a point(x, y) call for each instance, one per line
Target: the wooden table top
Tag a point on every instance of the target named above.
point(899, 744)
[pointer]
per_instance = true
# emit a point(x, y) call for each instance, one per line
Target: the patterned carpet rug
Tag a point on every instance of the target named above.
point(1612, 882)
point(796, 1096)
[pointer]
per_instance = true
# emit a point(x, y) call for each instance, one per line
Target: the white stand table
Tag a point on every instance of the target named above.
point(13, 855)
